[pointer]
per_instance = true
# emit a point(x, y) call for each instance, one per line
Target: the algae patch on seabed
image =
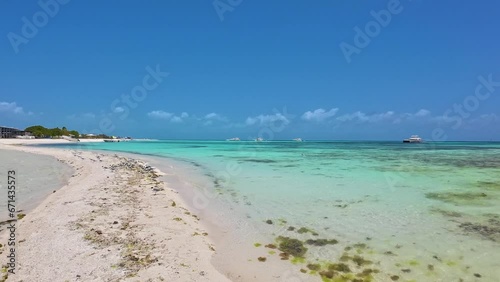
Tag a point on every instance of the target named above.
point(259, 160)
point(291, 246)
point(314, 266)
point(350, 267)
point(270, 246)
point(464, 198)
point(447, 212)
point(321, 242)
point(489, 185)
point(303, 230)
point(489, 230)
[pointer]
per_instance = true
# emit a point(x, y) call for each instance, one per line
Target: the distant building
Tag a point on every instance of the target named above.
point(10, 132)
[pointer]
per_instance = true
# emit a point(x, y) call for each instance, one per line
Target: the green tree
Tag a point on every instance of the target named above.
point(40, 131)
point(74, 133)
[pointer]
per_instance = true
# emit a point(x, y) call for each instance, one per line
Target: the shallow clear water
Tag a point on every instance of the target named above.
point(36, 177)
point(423, 212)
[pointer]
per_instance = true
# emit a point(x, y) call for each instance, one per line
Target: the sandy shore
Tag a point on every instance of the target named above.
point(113, 221)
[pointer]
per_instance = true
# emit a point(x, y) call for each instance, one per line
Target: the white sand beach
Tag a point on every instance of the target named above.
point(114, 220)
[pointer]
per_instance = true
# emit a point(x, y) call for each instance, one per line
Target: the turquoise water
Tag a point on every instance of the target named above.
point(422, 212)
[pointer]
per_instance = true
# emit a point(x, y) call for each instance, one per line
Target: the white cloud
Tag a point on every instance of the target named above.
point(211, 117)
point(118, 110)
point(13, 108)
point(168, 116)
point(362, 117)
point(422, 113)
point(176, 119)
point(160, 115)
point(485, 119)
point(389, 116)
point(267, 119)
point(319, 114)
point(354, 116)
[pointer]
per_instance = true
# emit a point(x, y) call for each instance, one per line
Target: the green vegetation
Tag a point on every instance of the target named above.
point(41, 132)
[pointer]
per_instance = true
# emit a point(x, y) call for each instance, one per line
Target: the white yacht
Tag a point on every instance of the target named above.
point(413, 139)
point(259, 139)
point(297, 139)
point(233, 139)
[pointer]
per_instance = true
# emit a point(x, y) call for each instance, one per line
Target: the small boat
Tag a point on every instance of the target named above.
point(413, 139)
point(111, 140)
point(259, 139)
point(297, 139)
point(233, 139)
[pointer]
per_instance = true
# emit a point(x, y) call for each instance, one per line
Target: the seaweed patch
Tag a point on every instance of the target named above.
point(491, 231)
point(291, 246)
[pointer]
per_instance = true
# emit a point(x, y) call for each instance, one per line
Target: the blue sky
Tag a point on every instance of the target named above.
point(244, 68)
